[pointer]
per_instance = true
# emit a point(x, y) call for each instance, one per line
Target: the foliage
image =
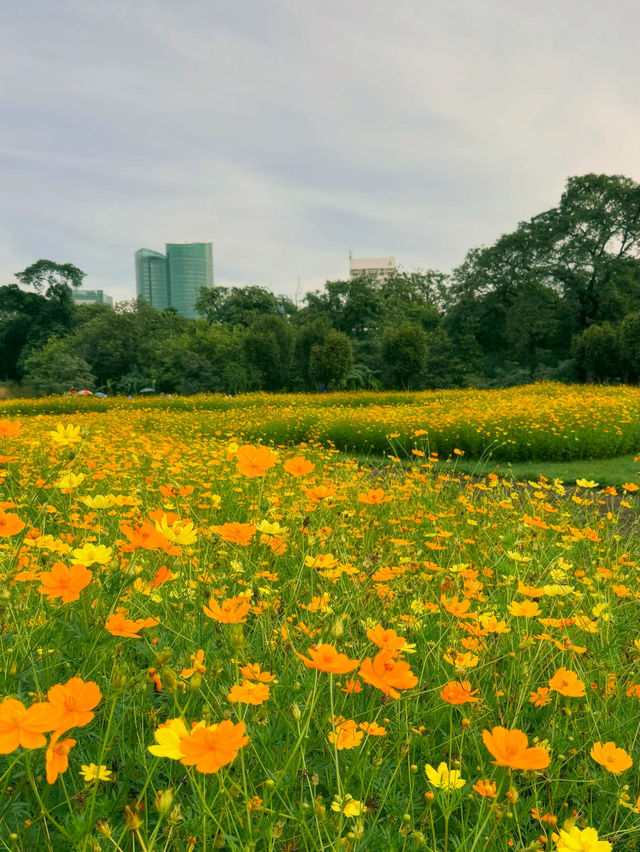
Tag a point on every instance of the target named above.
point(50, 275)
point(331, 360)
point(404, 354)
point(56, 368)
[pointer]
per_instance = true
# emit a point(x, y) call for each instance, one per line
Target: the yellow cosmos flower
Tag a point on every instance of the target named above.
point(444, 778)
point(586, 483)
point(168, 738)
point(571, 839)
point(180, 532)
point(91, 772)
point(349, 806)
point(267, 528)
point(100, 501)
point(90, 554)
point(71, 480)
point(65, 436)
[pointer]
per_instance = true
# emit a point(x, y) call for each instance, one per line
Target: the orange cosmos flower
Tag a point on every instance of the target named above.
point(73, 702)
point(387, 674)
point(388, 640)
point(57, 756)
point(24, 726)
point(352, 685)
point(458, 692)
point(511, 748)
point(527, 608)
point(248, 692)
point(540, 697)
point(486, 788)
point(9, 428)
point(298, 466)
point(252, 671)
point(345, 734)
point(10, 524)
point(320, 492)
point(254, 461)
point(235, 533)
point(567, 683)
point(230, 611)
point(198, 665)
point(374, 497)
point(372, 729)
point(146, 537)
point(119, 625)
point(456, 607)
point(64, 583)
point(325, 658)
point(530, 591)
point(209, 747)
point(614, 759)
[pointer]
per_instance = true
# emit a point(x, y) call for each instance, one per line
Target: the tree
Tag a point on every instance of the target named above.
point(55, 368)
point(308, 335)
point(404, 353)
point(210, 301)
point(27, 320)
point(597, 352)
point(268, 348)
point(330, 362)
point(52, 275)
point(630, 346)
point(586, 250)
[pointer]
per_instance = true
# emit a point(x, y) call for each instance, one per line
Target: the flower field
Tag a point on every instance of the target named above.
point(543, 421)
point(214, 638)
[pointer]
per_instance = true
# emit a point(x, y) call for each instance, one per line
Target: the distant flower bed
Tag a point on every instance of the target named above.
point(542, 421)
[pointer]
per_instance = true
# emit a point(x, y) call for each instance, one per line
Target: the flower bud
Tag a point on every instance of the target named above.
point(168, 678)
point(103, 828)
point(164, 801)
point(236, 636)
point(338, 628)
point(163, 657)
point(295, 712)
point(131, 819)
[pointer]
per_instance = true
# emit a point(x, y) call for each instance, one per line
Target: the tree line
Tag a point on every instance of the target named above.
point(558, 298)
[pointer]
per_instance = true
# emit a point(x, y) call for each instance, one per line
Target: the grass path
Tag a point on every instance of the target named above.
point(613, 471)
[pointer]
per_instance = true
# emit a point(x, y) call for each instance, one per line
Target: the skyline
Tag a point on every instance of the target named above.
point(288, 134)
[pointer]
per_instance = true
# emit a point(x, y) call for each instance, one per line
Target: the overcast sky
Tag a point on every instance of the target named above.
point(288, 132)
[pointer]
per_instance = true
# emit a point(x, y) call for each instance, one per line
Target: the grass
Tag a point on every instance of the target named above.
point(606, 472)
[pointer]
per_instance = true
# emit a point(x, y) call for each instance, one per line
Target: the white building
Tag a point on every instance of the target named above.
point(380, 267)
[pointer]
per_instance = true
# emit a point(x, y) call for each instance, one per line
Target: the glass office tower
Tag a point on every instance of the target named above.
point(151, 278)
point(174, 280)
point(189, 267)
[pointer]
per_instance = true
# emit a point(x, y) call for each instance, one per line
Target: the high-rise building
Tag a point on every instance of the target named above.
point(189, 267)
point(379, 267)
point(174, 279)
point(91, 297)
point(151, 278)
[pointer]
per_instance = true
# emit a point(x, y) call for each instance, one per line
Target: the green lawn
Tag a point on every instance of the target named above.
point(614, 471)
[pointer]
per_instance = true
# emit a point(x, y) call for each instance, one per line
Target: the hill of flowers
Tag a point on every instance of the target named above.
point(543, 421)
point(211, 643)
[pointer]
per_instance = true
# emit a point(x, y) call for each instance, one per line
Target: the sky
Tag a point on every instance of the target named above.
point(289, 132)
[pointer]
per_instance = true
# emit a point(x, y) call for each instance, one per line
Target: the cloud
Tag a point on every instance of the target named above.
point(290, 132)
